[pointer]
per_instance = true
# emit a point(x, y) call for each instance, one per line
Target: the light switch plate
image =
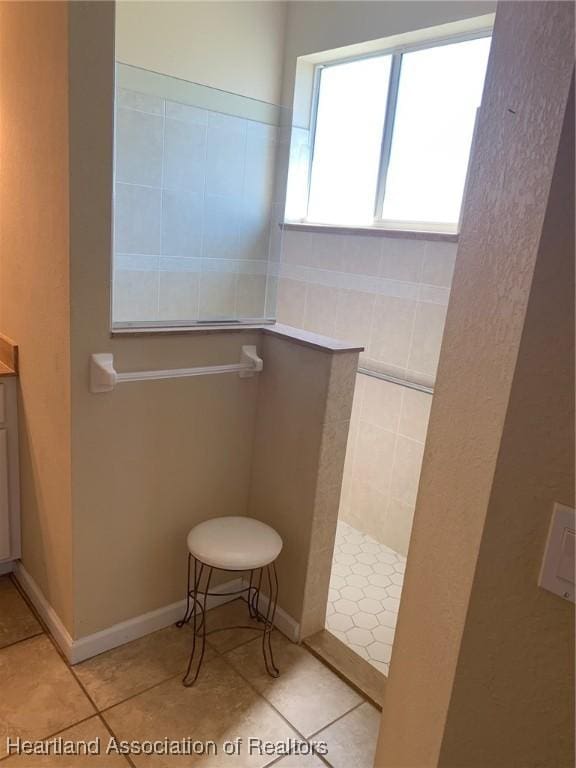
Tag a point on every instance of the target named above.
point(558, 571)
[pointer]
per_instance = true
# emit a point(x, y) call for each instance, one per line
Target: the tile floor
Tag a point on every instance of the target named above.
point(365, 587)
point(134, 693)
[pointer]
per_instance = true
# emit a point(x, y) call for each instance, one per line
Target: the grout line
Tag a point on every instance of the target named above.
point(341, 717)
point(279, 713)
point(56, 733)
point(100, 713)
point(22, 640)
point(108, 727)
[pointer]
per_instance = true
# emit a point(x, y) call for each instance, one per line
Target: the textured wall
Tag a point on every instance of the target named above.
point(473, 625)
point(517, 636)
point(304, 403)
point(34, 279)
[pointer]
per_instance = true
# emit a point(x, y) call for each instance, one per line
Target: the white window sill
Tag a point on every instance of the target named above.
point(409, 234)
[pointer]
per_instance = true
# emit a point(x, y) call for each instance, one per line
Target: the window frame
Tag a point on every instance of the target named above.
point(396, 52)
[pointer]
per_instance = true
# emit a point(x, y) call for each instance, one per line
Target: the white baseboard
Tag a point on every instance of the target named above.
point(6, 567)
point(118, 634)
point(47, 613)
point(283, 621)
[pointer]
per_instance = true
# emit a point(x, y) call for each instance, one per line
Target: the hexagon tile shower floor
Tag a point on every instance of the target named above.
point(365, 588)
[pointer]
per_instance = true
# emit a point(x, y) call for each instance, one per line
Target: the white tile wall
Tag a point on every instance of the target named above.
point(389, 295)
point(193, 211)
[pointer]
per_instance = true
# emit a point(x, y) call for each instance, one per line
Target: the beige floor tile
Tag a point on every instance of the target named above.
point(92, 730)
point(230, 614)
point(307, 693)
point(17, 622)
point(122, 672)
point(345, 660)
point(221, 706)
point(352, 739)
point(39, 693)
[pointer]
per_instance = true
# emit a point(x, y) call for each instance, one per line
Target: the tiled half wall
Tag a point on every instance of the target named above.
point(193, 203)
point(388, 294)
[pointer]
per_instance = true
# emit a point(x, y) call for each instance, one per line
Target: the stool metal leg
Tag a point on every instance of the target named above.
point(191, 592)
point(196, 602)
point(188, 612)
point(271, 667)
point(190, 678)
point(254, 601)
point(251, 590)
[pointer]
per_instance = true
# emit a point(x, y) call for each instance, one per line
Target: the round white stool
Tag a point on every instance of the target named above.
point(231, 544)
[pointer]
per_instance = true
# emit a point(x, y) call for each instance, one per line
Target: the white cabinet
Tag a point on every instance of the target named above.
point(9, 479)
point(5, 548)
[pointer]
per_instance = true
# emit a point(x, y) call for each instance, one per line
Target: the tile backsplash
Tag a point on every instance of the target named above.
point(193, 212)
point(387, 294)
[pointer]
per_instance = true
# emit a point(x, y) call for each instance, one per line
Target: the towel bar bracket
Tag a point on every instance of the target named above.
point(104, 377)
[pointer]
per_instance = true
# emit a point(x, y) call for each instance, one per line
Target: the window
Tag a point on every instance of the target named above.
point(392, 136)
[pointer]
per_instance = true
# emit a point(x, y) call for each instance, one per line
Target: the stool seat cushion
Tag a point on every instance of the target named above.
point(234, 543)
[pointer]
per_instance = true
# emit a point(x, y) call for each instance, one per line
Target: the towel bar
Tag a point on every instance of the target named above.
point(104, 377)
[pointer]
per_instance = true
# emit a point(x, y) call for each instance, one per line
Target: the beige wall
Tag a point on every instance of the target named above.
point(234, 46)
point(34, 278)
point(482, 667)
point(151, 459)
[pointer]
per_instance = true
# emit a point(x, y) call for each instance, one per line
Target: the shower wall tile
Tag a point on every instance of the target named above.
point(253, 230)
point(182, 223)
point(291, 298)
point(250, 296)
point(271, 296)
point(328, 251)
point(390, 295)
point(319, 309)
point(186, 113)
point(353, 317)
point(384, 303)
point(184, 155)
point(399, 519)
point(260, 159)
point(402, 259)
point(225, 156)
point(381, 404)
point(137, 219)
point(382, 468)
point(375, 454)
point(217, 295)
point(135, 295)
point(140, 101)
point(194, 186)
point(363, 256)
point(406, 471)
point(427, 337)
point(138, 147)
point(439, 261)
point(178, 295)
point(222, 221)
point(415, 413)
point(392, 326)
